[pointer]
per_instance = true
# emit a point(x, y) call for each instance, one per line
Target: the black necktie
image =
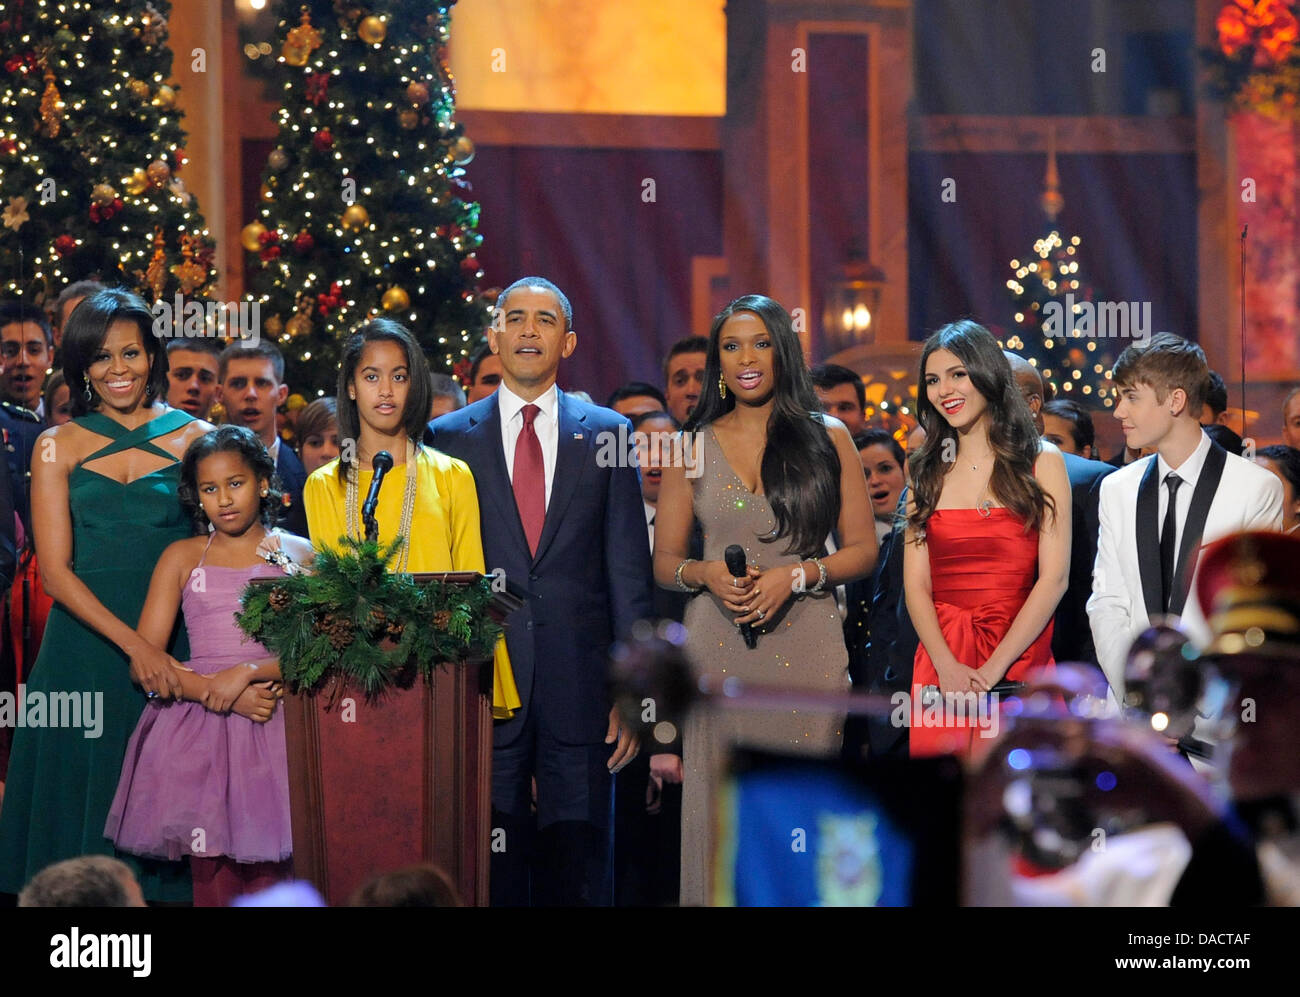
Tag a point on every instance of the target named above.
point(1167, 538)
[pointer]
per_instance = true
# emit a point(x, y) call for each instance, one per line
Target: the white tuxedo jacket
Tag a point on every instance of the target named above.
point(1233, 494)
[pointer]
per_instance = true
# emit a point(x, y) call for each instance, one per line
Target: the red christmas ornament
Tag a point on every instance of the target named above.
point(102, 214)
point(65, 244)
point(270, 241)
point(317, 84)
point(181, 160)
point(7, 146)
point(469, 265)
point(303, 243)
point(461, 371)
point(322, 140)
point(331, 299)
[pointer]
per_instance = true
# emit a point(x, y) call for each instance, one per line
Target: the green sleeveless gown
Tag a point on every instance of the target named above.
point(60, 782)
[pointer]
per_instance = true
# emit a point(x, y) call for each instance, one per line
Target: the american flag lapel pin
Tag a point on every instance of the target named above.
point(577, 436)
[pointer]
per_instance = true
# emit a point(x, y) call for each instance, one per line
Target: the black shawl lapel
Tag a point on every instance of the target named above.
point(1148, 538)
point(1202, 498)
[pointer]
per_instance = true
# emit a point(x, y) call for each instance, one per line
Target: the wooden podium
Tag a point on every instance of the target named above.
point(406, 778)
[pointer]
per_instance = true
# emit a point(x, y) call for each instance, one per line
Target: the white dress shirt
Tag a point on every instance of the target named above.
point(1189, 471)
point(546, 425)
point(274, 449)
point(650, 523)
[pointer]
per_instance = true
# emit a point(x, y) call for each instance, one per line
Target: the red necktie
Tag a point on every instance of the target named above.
point(530, 479)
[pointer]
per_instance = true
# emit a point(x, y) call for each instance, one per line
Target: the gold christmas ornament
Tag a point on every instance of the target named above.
point(265, 192)
point(408, 118)
point(250, 236)
point(137, 183)
point(298, 327)
point(165, 97)
point(138, 87)
point(273, 326)
point(217, 414)
point(417, 93)
point(395, 300)
point(372, 30)
point(52, 106)
point(304, 36)
point(158, 172)
point(277, 160)
point(296, 57)
point(355, 217)
point(188, 272)
point(155, 275)
point(103, 194)
point(462, 150)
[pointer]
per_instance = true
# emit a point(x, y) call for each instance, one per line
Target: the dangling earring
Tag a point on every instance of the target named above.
point(266, 492)
point(722, 386)
point(90, 395)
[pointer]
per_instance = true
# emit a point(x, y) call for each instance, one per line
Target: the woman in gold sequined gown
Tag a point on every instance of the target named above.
point(765, 470)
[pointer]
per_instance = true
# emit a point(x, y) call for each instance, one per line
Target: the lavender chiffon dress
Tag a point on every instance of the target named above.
point(200, 783)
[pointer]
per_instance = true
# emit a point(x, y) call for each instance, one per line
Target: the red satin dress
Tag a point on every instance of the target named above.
point(982, 568)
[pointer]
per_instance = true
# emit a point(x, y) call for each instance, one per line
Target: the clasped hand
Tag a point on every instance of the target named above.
point(755, 596)
point(959, 677)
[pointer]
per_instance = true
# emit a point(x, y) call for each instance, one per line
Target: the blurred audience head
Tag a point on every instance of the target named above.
point(193, 366)
point(1216, 399)
point(66, 303)
point(883, 462)
point(415, 886)
point(1284, 461)
point(842, 394)
point(447, 395)
point(86, 881)
point(636, 397)
point(1032, 386)
point(1069, 425)
point(653, 433)
point(318, 433)
point(1291, 418)
point(27, 342)
point(58, 400)
point(684, 375)
point(484, 373)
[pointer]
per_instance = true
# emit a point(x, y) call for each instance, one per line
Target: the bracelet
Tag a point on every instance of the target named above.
point(821, 574)
point(678, 577)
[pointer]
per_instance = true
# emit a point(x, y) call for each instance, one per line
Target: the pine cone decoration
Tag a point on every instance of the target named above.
point(337, 628)
point(395, 630)
point(279, 599)
point(378, 620)
point(441, 618)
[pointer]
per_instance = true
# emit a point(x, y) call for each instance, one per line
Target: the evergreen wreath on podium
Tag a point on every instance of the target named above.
point(352, 617)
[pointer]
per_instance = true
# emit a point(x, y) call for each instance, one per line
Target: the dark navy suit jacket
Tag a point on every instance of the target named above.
point(293, 476)
point(590, 579)
point(1072, 634)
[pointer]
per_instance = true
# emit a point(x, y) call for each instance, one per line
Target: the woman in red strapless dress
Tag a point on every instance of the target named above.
point(988, 540)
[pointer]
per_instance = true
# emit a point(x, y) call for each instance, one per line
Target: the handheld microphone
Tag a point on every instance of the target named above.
point(383, 463)
point(734, 556)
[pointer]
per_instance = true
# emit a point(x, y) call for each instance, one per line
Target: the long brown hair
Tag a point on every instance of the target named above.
point(1013, 437)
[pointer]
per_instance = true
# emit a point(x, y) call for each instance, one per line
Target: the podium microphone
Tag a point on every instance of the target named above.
point(734, 556)
point(382, 464)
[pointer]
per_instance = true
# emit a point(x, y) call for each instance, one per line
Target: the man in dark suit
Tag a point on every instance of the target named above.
point(569, 527)
point(251, 387)
point(1071, 633)
point(882, 646)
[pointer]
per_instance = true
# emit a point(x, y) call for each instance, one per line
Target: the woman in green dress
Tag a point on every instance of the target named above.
point(104, 505)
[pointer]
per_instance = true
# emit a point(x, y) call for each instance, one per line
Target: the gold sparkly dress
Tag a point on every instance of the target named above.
point(802, 647)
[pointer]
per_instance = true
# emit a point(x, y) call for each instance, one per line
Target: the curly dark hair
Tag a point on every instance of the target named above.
point(237, 440)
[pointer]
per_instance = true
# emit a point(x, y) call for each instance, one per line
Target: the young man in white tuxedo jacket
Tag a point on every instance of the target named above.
point(1146, 553)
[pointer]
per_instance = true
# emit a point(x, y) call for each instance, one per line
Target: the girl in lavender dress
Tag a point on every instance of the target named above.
point(207, 776)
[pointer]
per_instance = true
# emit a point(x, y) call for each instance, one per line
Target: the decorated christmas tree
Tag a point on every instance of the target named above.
point(1054, 312)
point(90, 147)
point(365, 208)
